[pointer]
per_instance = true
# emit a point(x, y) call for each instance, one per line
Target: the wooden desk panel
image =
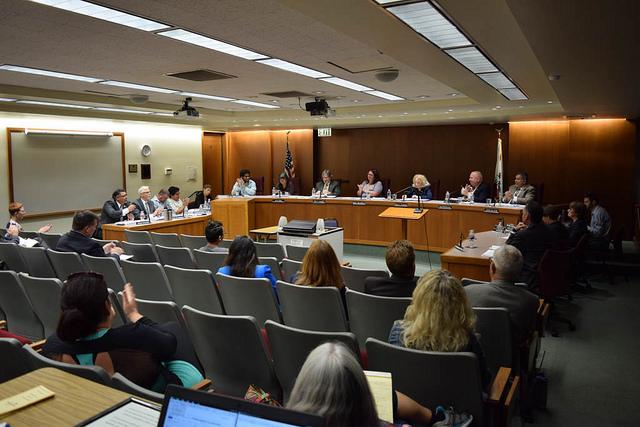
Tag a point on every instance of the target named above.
point(193, 226)
point(470, 263)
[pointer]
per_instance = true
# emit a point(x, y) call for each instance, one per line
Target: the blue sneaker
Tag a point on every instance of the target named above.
point(453, 419)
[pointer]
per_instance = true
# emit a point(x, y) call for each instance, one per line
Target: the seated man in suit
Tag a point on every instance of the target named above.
point(559, 233)
point(328, 187)
point(116, 209)
point(522, 305)
point(476, 189)
point(521, 192)
point(79, 238)
point(600, 226)
point(144, 204)
point(401, 262)
point(532, 238)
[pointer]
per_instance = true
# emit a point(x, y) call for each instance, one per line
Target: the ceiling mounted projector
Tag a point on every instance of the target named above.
point(319, 108)
point(186, 111)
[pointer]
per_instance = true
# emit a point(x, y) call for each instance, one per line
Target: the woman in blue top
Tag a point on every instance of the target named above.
point(242, 261)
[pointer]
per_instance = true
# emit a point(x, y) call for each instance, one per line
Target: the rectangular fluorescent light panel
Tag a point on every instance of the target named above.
point(473, 59)
point(7, 99)
point(513, 94)
point(39, 72)
point(53, 104)
point(428, 21)
point(137, 86)
point(122, 110)
point(387, 1)
point(346, 83)
point(385, 95)
point(204, 96)
point(497, 80)
point(65, 132)
point(163, 114)
point(104, 13)
point(254, 104)
point(298, 69)
point(213, 44)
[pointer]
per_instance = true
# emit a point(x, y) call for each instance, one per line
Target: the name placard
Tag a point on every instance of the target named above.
point(319, 202)
point(359, 204)
point(277, 201)
point(445, 207)
point(491, 211)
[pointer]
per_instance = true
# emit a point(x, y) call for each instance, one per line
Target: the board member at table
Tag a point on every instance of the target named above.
point(174, 202)
point(160, 199)
point(521, 192)
point(476, 189)
point(244, 185)
point(117, 209)
point(327, 186)
point(202, 197)
point(144, 202)
point(372, 186)
point(420, 187)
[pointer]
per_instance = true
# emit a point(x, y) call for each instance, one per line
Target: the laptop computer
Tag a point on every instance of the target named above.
point(186, 407)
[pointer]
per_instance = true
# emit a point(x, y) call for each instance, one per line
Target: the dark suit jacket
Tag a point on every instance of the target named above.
point(426, 192)
point(141, 208)
point(111, 213)
point(532, 242)
point(334, 187)
point(577, 229)
point(391, 287)
point(482, 193)
point(74, 241)
point(559, 235)
point(199, 200)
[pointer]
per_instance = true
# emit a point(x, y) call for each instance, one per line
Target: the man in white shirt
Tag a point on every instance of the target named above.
point(244, 185)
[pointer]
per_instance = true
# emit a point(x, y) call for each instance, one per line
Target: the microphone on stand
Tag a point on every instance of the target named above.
point(419, 208)
point(403, 190)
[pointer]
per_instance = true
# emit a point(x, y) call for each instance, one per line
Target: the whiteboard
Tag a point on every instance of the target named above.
point(64, 173)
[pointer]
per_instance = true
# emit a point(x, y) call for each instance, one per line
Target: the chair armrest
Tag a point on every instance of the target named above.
point(509, 402)
point(202, 385)
point(498, 386)
point(543, 318)
point(3, 324)
point(37, 345)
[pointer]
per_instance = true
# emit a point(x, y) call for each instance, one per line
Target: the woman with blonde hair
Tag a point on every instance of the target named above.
point(440, 318)
point(420, 187)
point(320, 267)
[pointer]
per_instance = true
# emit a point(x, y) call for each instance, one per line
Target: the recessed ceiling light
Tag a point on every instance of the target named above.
point(593, 116)
point(346, 83)
point(422, 97)
point(379, 116)
point(549, 102)
point(356, 100)
point(318, 92)
point(404, 114)
point(53, 104)
point(257, 124)
point(213, 44)
point(298, 69)
point(254, 104)
point(385, 95)
point(137, 86)
point(424, 114)
point(122, 110)
point(204, 96)
point(450, 110)
point(7, 99)
point(47, 73)
point(453, 94)
point(275, 101)
point(498, 107)
point(105, 14)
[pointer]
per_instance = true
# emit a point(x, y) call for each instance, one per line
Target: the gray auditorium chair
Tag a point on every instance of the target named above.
point(296, 253)
point(160, 311)
point(142, 252)
point(273, 264)
point(170, 240)
point(195, 288)
point(120, 318)
point(65, 263)
point(14, 361)
point(225, 243)
point(291, 346)
point(44, 294)
point(177, 257)
point(133, 236)
point(232, 351)
point(12, 256)
point(51, 239)
point(109, 268)
point(311, 308)
point(275, 250)
point(494, 327)
point(37, 261)
point(242, 296)
point(372, 316)
point(20, 315)
point(104, 242)
point(290, 268)
point(29, 234)
point(148, 279)
point(193, 242)
point(211, 261)
point(120, 382)
point(354, 277)
point(89, 372)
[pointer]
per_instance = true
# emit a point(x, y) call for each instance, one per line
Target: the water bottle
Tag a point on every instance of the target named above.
point(313, 192)
point(500, 226)
point(186, 211)
point(273, 191)
point(447, 196)
point(389, 194)
point(143, 216)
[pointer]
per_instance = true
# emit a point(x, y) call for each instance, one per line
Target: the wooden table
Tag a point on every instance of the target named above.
point(470, 262)
point(76, 399)
point(439, 230)
point(266, 233)
point(404, 215)
point(193, 225)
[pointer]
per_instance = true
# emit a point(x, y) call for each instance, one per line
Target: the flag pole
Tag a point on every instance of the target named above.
point(499, 167)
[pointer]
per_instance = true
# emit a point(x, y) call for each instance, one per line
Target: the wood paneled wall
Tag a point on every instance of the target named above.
point(445, 153)
point(572, 157)
point(263, 152)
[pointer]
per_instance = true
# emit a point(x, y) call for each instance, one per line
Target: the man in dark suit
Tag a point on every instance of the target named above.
point(522, 305)
point(79, 238)
point(558, 232)
point(116, 209)
point(532, 238)
point(328, 187)
point(477, 189)
point(144, 203)
point(401, 262)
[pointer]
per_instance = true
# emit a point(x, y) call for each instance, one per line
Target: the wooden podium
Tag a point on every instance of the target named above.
point(403, 214)
point(237, 215)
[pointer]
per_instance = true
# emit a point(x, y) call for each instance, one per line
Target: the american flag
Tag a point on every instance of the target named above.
point(288, 162)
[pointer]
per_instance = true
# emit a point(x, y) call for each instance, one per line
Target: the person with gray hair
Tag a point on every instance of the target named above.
point(503, 291)
point(327, 186)
point(331, 384)
point(144, 202)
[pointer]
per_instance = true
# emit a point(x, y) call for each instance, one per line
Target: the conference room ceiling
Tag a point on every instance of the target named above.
point(588, 44)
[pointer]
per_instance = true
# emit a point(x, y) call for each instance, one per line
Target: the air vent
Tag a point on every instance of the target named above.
point(289, 94)
point(202, 75)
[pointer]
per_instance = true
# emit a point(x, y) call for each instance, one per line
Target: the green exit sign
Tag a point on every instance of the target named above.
point(324, 131)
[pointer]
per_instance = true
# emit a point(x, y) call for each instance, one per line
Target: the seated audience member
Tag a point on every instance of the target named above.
point(401, 262)
point(532, 238)
point(285, 185)
point(202, 197)
point(214, 233)
point(522, 305)
point(117, 209)
point(174, 202)
point(244, 185)
point(320, 267)
point(79, 238)
point(145, 204)
point(521, 192)
point(372, 186)
point(440, 318)
point(420, 187)
point(16, 215)
point(332, 384)
point(160, 199)
point(600, 227)
point(149, 354)
point(476, 189)
point(242, 261)
point(327, 186)
point(577, 213)
point(559, 233)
